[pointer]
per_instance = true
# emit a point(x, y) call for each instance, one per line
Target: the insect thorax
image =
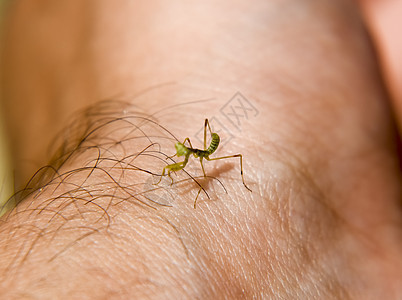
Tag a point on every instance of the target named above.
point(181, 149)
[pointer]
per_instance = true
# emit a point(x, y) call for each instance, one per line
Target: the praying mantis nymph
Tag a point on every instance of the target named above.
point(183, 150)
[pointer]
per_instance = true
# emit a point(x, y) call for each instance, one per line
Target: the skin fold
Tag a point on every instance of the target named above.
point(323, 220)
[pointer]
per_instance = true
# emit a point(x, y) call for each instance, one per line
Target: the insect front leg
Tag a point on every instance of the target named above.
point(163, 174)
point(171, 168)
point(170, 171)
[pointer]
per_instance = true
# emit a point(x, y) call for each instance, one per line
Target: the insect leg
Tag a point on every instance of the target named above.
point(173, 168)
point(241, 165)
point(170, 176)
point(170, 157)
point(210, 130)
point(202, 166)
point(187, 139)
point(163, 174)
point(205, 133)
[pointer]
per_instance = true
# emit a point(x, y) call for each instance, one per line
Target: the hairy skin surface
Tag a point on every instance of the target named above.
point(323, 220)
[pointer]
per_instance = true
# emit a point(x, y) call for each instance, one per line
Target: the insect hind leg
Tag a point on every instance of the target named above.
point(241, 166)
point(205, 132)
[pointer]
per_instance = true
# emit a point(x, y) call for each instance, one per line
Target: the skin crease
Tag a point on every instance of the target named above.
point(323, 220)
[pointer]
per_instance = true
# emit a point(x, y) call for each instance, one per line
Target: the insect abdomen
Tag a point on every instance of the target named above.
point(214, 143)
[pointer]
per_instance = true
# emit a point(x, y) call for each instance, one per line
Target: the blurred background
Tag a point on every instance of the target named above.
point(384, 22)
point(6, 174)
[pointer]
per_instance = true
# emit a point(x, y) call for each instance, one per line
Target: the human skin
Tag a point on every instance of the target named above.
point(382, 18)
point(323, 219)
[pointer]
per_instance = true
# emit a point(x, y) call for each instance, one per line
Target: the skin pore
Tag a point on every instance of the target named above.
point(319, 152)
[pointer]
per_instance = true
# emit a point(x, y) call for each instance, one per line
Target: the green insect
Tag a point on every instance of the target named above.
point(183, 150)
